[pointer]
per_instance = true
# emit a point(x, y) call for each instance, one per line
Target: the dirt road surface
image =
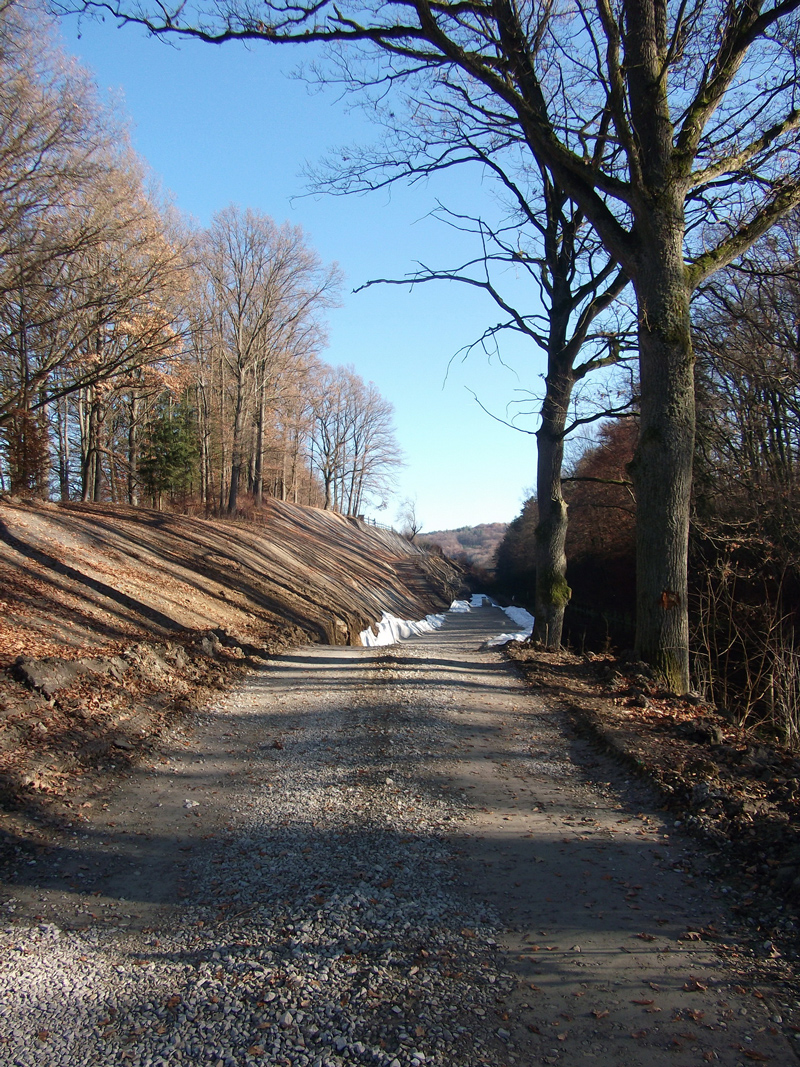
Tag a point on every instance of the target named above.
point(388, 856)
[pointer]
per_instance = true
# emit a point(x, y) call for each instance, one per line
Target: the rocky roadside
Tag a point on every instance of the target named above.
point(68, 725)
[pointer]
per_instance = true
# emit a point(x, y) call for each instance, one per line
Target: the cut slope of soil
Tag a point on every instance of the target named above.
point(113, 619)
point(80, 576)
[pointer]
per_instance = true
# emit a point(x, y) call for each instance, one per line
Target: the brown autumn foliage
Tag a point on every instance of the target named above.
point(602, 509)
point(601, 541)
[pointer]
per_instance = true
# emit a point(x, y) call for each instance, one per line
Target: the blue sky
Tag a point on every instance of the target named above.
point(223, 125)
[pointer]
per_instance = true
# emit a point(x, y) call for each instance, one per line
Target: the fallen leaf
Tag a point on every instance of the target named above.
point(644, 1003)
point(639, 1033)
point(693, 986)
point(646, 937)
point(599, 1014)
point(751, 1054)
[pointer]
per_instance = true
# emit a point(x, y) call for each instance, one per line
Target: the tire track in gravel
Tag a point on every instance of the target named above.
point(383, 857)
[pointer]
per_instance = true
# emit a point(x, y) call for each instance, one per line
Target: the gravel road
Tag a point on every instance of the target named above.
point(377, 856)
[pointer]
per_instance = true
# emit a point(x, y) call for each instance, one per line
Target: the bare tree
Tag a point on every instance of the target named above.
point(701, 101)
point(90, 260)
point(748, 445)
point(410, 524)
point(573, 284)
point(353, 447)
point(267, 288)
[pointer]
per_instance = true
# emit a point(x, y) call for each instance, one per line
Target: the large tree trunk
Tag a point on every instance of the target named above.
point(552, 591)
point(662, 464)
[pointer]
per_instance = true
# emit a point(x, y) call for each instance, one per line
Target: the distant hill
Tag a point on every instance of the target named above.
point(475, 544)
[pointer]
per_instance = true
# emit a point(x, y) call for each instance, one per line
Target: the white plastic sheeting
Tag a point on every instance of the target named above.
point(391, 629)
point(460, 607)
point(521, 617)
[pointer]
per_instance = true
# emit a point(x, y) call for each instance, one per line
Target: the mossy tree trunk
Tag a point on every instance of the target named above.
point(662, 465)
point(552, 591)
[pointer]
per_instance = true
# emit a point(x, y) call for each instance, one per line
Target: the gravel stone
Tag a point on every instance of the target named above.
point(308, 930)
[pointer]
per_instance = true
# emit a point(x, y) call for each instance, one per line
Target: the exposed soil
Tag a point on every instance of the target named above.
point(116, 621)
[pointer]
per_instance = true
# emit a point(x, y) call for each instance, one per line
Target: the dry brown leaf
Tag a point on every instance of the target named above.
point(693, 986)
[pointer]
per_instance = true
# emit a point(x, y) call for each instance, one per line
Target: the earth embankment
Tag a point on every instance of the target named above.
point(113, 618)
point(80, 576)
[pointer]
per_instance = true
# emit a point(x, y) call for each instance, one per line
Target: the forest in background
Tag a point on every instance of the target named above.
point(474, 546)
point(143, 360)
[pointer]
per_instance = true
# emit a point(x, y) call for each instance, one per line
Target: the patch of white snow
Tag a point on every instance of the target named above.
point(503, 639)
